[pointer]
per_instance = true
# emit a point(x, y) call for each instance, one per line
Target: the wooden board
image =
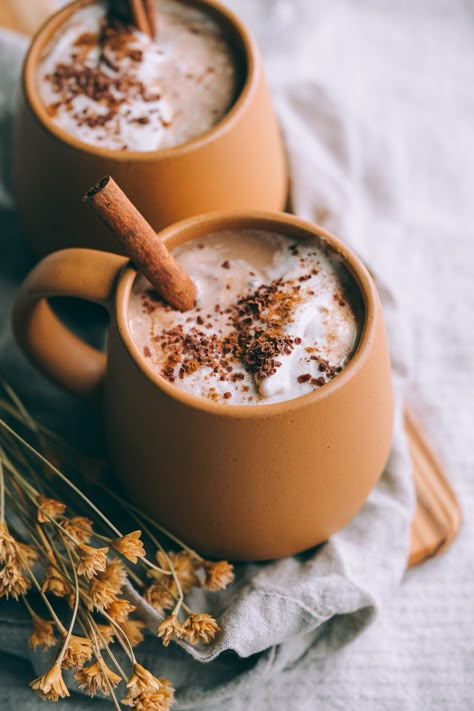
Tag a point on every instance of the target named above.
point(437, 515)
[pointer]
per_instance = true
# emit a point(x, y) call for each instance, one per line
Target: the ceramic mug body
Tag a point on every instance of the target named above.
point(239, 163)
point(244, 482)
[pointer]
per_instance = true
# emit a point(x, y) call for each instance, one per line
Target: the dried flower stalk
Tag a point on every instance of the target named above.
point(61, 545)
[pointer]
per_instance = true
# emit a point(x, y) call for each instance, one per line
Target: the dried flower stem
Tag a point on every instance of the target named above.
point(14, 471)
point(27, 605)
point(74, 612)
point(104, 671)
point(63, 478)
point(19, 405)
point(20, 414)
point(29, 422)
point(148, 563)
point(46, 601)
point(57, 560)
point(21, 500)
point(28, 525)
point(93, 627)
point(130, 507)
point(25, 489)
point(2, 492)
point(139, 517)
point(120, 636)
point(19, 454)
point(131, 573)
point(46, 542)
point(179, 598)
point(68, 545)
point(33, 494)
point(42, 634)
point(50, 518)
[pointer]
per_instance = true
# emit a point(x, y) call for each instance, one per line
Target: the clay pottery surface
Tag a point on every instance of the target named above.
point(244, 482)
point(238, 164)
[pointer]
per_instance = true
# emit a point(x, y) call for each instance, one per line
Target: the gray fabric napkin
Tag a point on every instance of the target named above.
point(275, 612)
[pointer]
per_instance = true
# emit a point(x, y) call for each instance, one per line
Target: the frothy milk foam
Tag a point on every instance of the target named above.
point(113, 87)
point(275, 318)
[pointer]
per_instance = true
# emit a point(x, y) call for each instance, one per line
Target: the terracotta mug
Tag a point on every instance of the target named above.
point(244, 482)
point(239, 163)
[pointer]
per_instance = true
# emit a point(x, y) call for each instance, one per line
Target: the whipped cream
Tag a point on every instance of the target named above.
point(275, 318)
point(111, 86)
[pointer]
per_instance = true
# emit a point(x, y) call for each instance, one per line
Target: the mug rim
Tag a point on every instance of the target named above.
point(35, 103)
point(269, 220)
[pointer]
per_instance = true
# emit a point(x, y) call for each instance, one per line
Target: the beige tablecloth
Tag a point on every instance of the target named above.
point(377, 104)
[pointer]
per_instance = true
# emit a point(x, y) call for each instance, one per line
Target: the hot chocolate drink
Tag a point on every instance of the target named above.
point(275, 318)
point(111, 86)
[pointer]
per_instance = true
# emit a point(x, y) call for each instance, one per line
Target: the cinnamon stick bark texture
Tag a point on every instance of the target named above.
point(141, 243)
point(140, 13)
point(150, 10)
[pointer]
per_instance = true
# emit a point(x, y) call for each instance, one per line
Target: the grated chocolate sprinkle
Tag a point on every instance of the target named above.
point(102, 82)
point(256, 338)
point(252, 335)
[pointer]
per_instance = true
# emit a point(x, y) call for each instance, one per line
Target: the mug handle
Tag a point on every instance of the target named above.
point(48, 344)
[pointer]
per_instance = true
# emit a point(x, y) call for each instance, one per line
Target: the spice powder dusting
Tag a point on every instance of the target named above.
point(275, 318)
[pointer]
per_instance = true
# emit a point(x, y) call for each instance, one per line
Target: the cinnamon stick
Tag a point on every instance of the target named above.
point(150, 10)
point(140, 13)
point(141, 243)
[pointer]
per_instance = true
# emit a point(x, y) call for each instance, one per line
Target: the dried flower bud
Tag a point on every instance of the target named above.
point(200, 628)
point(115, 575)
point(169, 628)
point(79, 527)
point(105, 636)
point(142, 680)
point(161, 700)
point(133, 630)
point(130, 546)
point(78, 652)
point(27, 555)
point(51, 686)
point(71, 600)
point(119, 610)
point(101, 594)
point(218, 575)
point(49, 508)
point(43, 633)
point(91, 560)
point(167, 687)
point(94, 678)
point(185, 567)
point(12, 582)
point(159, 598)
point(8, 545)
point(55, 583)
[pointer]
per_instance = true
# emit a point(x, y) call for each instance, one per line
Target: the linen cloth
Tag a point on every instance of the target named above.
point(377, 108)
